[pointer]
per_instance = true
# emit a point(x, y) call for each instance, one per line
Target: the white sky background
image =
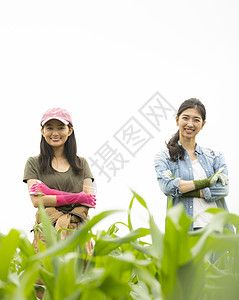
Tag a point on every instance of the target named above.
point(102, 61)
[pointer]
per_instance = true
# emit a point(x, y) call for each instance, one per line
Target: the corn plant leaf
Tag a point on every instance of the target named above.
point(157, 240)
point(176, 246)
point(212, 235)
point(106, 244)
point(65, 284)
point(92, 293)
point(26, 246)
point(48, 279)
point(27, 280)
point(130, 226)
point(190, 281)
point(49, 231)
point(78, 238)
point(113, 287)
point(141, 201)
point(175, 265)
point(151, 282)
point(9, 244)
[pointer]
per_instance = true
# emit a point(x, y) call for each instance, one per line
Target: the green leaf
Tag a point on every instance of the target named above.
point(176, 265)
point(141, 201)
point(65, 279)
point(176, 246)
point(129, 214)
point(106, 244)
point(114, 288)
point(49, 231)
point(27, 281)
point(157, 240)
point(212, 236)
point(8, 247)
point(145, 276)
point(78, 238)
point(190, 281)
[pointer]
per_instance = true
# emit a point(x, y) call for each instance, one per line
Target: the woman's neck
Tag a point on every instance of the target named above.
point(59, 152)
point(59, 161)
point(188, 144)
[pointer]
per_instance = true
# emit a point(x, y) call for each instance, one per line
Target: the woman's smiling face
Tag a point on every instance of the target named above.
point(190, 122)
point(56, 133)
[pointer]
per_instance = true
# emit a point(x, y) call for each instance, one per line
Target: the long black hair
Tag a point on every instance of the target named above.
point(70, 151)
point(176, 151)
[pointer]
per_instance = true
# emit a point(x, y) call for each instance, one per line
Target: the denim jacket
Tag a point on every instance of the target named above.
point(210, 161)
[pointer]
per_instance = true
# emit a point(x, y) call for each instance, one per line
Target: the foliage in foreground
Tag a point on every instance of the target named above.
point(176, 265)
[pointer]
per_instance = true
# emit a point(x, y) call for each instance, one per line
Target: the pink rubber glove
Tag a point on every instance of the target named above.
point(62, 198)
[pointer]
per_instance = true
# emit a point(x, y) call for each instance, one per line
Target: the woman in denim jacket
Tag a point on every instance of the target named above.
point(190, 174)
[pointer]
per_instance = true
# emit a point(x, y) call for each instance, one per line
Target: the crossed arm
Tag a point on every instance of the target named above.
point(194, 188)
point(186, 186)
point(51, 200)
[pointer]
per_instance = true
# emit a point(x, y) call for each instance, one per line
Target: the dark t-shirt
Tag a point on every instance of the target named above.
point(63, 181)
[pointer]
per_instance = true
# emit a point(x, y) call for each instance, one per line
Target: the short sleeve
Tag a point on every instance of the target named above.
point(86, 169)
point(31, 169)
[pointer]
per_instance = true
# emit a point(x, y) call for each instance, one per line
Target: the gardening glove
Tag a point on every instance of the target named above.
point(193, 194)
point(63, 198)
point(207, 182)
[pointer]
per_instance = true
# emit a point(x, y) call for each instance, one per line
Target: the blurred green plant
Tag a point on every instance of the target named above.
point(175, 265)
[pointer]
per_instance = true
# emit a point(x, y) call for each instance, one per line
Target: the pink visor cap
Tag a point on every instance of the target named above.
point(56, 113)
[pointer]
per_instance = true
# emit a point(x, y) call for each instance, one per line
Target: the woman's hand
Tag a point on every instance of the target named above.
point(219, 176)
point(207, 182)
point(39, 189)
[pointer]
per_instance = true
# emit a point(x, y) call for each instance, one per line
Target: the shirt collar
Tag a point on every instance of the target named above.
point(197, 148)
